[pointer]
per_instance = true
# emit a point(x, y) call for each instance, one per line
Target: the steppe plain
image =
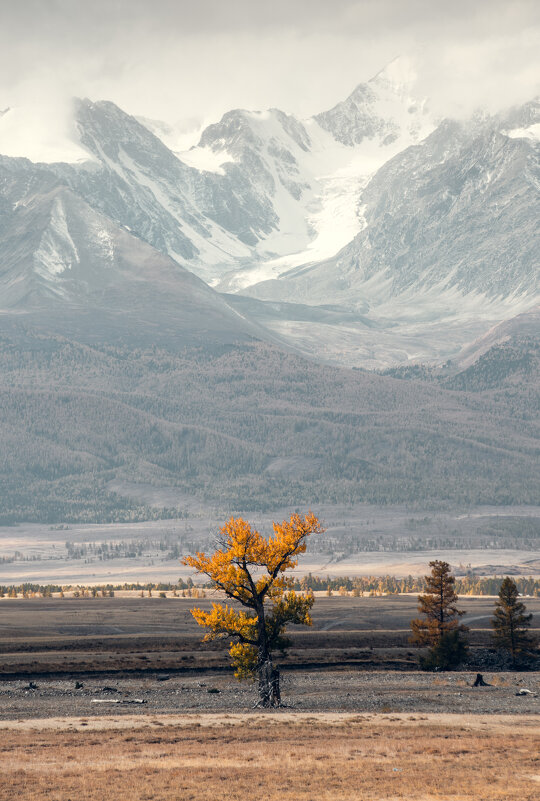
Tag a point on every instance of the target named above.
point(159, 715)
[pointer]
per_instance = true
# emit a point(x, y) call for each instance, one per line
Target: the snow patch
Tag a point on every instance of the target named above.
point(532, 133)
point(206, 159)
point(330, 212)
point(57, 252)
point(105, 243)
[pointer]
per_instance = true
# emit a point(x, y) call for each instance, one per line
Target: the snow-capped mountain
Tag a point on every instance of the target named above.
point(450, 245)
point(309, 172)
point(459, 211)
point(370, 234)
point(260, 193)
point(137, 181)
point(384, 109)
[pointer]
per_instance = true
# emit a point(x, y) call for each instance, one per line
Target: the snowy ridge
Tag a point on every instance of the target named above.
point(449, 248)
point(370, 234)
point(262, 192)
point(311, 175)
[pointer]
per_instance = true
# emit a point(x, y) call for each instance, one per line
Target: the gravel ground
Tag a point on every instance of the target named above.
point(350, 691)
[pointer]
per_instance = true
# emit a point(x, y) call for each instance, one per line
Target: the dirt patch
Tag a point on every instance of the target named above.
point(499, 724)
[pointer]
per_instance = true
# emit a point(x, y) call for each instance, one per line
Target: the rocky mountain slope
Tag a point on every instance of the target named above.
point(73, 270)
point(523, 327)
point(449, 246)
point(383, 235)
point(457, 212)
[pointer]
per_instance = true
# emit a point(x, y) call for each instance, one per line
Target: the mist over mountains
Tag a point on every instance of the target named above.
point(157, 308)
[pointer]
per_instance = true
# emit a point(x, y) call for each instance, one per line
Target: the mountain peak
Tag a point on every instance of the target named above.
point(397, 76)
point(383, 109)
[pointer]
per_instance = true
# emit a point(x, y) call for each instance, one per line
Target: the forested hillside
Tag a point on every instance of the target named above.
point(246, 427)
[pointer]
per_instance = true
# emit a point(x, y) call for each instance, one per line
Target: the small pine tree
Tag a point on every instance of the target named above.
point(441, 620)
point(510, 623)
point(450, 650)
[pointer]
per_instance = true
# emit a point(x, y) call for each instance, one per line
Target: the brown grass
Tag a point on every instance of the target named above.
point(278, 758)
point(162, 634)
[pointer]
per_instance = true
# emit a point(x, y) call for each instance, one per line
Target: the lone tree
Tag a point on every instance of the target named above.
point(510, 623)
point(440, 628)
point(249, 569)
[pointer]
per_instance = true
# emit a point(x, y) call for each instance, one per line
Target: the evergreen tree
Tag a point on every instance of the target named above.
point(450, 650)
point(440, 628)
point(510, 623)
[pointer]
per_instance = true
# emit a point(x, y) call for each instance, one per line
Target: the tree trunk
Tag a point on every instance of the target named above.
point(269, 692)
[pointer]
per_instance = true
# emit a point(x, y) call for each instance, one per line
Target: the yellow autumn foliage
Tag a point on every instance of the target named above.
point(249, 568)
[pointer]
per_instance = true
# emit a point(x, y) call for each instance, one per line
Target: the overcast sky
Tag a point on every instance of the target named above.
point(174, 59)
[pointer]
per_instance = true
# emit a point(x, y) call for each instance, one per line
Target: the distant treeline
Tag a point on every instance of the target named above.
point(358, 585)
point(30, 590)
point(466, 585)
point(495, 533)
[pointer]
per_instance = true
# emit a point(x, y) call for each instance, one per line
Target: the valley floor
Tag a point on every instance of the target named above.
point(487, 539)
point(116, 699)
point(279, 756)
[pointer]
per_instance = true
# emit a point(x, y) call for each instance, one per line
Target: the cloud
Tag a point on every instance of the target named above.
point(175, 59)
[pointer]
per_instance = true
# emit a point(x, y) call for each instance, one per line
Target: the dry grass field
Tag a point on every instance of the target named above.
point(276, 757)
